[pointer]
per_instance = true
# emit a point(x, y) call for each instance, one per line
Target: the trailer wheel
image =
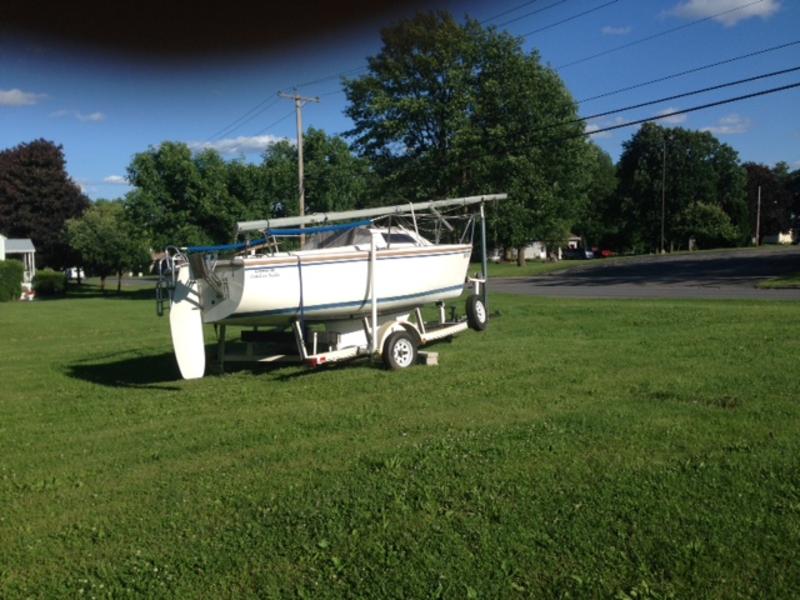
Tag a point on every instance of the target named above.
point(476, 313)
point(399, 351)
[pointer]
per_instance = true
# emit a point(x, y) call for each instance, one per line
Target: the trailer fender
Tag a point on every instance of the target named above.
point(385, 330)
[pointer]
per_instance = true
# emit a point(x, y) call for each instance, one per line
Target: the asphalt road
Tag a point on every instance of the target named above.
point(708, 275)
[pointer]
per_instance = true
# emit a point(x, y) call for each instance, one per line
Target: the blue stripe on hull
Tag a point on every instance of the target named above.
point(309, 310)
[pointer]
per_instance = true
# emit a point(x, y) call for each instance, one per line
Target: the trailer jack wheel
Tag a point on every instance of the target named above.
point(476, 313)
point(399, 351)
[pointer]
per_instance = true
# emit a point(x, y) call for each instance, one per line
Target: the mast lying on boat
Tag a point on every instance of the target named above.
point(380, 211)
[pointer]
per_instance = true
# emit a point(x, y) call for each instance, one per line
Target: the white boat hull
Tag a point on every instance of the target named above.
point(326, 285)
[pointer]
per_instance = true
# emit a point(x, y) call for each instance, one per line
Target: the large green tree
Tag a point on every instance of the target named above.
point(182, 198)
point(335, 179)
point(451, 109)
point(37, 197)
point(107, 242)
point(598, 223)
point(689, 168)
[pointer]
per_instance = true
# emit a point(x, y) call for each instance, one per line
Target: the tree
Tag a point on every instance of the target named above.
point(598, 223)
point(181, 199)
point(37, 197)
point(776, 198)
point(449, 109)
point(107, 242)
point(698, 169)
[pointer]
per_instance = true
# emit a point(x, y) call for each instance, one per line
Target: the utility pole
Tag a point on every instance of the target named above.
point(299, 102)
point(663, 190)
point(758, 218)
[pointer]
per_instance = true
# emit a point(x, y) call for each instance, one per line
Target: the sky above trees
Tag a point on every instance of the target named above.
point(104, 107)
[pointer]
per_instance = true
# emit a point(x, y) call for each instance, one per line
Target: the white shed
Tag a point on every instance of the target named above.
point(20, 248)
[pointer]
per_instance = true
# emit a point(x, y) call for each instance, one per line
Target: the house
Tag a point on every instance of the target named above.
point(784, 237)
point(20, 248)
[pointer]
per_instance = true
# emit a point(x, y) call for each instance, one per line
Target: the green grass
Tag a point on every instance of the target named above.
point(789, 282)
point(575, 449)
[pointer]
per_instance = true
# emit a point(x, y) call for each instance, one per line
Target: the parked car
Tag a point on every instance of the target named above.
point(577, 254)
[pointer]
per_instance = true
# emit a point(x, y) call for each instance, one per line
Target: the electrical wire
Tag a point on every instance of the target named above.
point(509, 11)
point(682, 111)
point(688, 71)
point(271, 125)
point(530, 14)
point(656, 35)
point(572, 18)
point(673, 97)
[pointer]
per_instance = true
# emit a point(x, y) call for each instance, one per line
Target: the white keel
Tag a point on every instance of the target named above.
point(186, 326)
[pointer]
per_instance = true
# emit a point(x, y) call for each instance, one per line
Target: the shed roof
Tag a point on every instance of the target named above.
point(19, 246)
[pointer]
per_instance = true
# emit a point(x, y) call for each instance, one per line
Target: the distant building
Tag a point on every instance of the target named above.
point(23, 249)
point(785, 237)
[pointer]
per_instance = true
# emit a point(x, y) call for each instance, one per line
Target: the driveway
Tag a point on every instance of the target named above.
point(708, 275)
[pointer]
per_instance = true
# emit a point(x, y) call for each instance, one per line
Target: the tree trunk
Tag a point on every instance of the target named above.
point(103, 283)
point(520, 256)
point(119, 281)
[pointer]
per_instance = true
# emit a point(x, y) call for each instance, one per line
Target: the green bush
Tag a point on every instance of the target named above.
point(10, 279)
point(50, 283)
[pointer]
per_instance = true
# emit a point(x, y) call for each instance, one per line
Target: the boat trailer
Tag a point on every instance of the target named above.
point(396, 339)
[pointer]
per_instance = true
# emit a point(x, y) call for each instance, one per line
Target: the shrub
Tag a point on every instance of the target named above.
point(10, 279)
point(50, 283)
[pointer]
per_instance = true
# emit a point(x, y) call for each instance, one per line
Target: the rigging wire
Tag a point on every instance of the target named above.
point(688, 71)
point(657, 35)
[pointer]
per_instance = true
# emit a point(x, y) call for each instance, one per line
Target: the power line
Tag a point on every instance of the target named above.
point(688, 71)
point(530, 14)
point(657, 35)
point(245, 118)
point(271, 125)
point(572, 18)
point(329, 77)
point(673, 97)
point(683, 111)
point(510, 10)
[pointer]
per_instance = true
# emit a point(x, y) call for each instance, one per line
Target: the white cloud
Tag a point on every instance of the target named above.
point(115, 180)
point(238, 145)
point(674, 119)
point(16, 97)
point(698, 9)
point(602, 124)
point(592, 127)
point(94, 117)
point(729, 125)
point(610, 30)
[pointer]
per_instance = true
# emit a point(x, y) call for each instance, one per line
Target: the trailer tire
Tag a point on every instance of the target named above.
point(399, 351)
point(477, 317)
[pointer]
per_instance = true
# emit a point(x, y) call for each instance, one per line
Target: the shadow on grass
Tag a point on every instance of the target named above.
point(149, 372)
point(92, 291)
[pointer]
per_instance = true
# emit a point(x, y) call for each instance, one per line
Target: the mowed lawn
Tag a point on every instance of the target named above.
point(575, 449)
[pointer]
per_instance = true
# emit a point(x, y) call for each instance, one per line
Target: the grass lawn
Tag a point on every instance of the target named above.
point(628, 449)
point(792, 281)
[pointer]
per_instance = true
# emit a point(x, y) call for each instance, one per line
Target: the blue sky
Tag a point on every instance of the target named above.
point(104, 108)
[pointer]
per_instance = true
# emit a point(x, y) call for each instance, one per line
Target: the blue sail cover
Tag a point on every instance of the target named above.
point(278, 233)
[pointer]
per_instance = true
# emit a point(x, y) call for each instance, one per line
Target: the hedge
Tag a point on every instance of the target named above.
point(10, 279)
point(50, 283)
